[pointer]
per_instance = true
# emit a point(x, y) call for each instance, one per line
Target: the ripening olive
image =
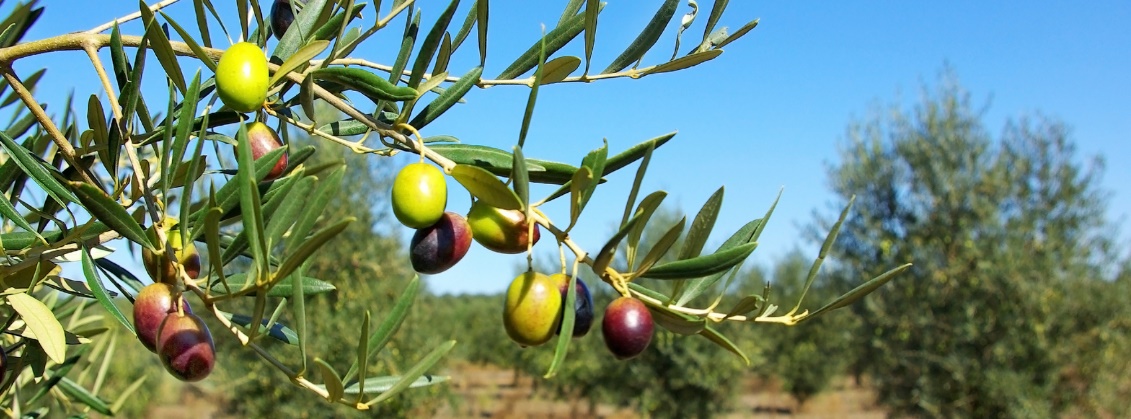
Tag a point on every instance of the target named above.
point(499, 230)
point(241, 77)
point(532, 310)
point(627, 327)
point(185, 347)
point(281, 17)
point(582, 304)
point(438, 247)
point(159, 265)
point(153, 303)
point(264, 140)
point(420, 194)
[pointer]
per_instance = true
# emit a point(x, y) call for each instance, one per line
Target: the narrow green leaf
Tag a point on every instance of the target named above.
point(201, 22)
point(180, 142)
point(377, 385)
point(415, 372)
point(647, 207)
point(333, 383)
point(662, 246)
point(250, 205)
point(128, 393)
point(195, 47)
point(528, 114)
point(309, 246)
point(701, 266)
point(558, 69)
point(595, 160)
point(825, 247)
point(362, 355)
point(746, 304)
point(713, 19)
point(108, 211)
point(677, 322)
point(568, 317)
point(570, 10)
point(431, 44)
point(284, 288)
point(717, 338)
point(162, 48)
point(605, 256)
point(749, 26)
point(702, 226)
point(746, 234)
point(368, 84)
point(317, 202)
point(636, 184)
point(288, 211)
point(449, 98)
point(408, 40)
point(9, 213)
point(298, 296)
point(299, 60)
point(555, 40)
point(77, 392)
point(95, 284)
point(306, 99)
point(684, 62)
point(41, 322)
point(498, 162)
point(444, 56)
point(465, 28)
point(521, 180)
point(860, 291)
point(486, 187)
point(481, 14)
point(646, 39)
point(37, 169)
point(578, 185)
point(278, 331)
point(592, 9)
point(636, 152)
point(392, 322)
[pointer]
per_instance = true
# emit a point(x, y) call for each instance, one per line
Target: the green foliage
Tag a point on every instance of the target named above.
point(1006, 234)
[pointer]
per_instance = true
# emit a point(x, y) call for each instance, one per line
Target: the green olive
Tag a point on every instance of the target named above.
point(420, 195)
point(499, 230)
point(241, 77)
point(533, 309)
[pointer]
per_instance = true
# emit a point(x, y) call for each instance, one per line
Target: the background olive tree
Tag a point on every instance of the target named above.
point(1008, 310)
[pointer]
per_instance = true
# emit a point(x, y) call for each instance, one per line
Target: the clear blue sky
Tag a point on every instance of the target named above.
point(767, 114)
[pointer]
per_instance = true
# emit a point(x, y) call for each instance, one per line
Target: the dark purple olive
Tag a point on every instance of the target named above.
point(627, 327)
point(281, 17)
point(185, 347)
point(437, 248)
point(264, 140)
point(582, 305)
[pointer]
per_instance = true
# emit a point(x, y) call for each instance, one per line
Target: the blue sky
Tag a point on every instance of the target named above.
point(767, 114)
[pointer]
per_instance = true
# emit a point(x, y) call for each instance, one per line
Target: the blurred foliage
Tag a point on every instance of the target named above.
point(1005, 312)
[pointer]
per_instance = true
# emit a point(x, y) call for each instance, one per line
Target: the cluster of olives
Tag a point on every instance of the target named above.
point(163, 321)
point(535, 305)
point(442, 238)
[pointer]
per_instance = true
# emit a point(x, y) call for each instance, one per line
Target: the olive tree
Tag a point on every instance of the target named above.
point(203, 171)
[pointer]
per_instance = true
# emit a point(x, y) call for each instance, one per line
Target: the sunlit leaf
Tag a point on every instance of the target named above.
point(42, 323)
point(486, 187)
point(701, 266)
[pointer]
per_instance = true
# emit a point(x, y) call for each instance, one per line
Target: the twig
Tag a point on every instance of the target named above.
point(129, 17)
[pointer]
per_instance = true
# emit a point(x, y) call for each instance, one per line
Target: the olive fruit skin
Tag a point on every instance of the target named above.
point(159, 265)
point(532, 310)
point(264, 140)
point(420, 194)
point(438, 247)
point(241, 77)
point(582, 305)
point(627, 327)
point(499, 230)
point(185, 347)
point(153, 303)
point(281, 17)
